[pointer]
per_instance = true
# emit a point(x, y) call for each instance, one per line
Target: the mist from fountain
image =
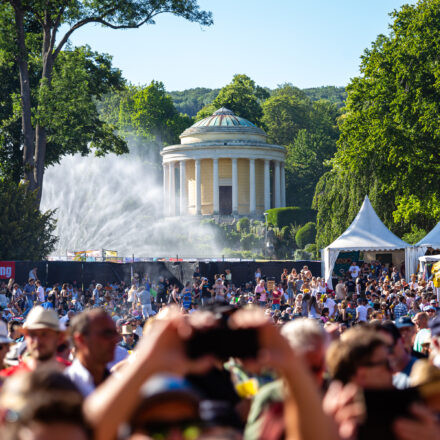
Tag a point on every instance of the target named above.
point(115, 203)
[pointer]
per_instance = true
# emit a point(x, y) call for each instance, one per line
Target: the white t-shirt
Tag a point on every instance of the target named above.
point(362, 313)
point(330, 304)
point(40, 293)
point(354, 271)
point(32, 275)
point(340, 291)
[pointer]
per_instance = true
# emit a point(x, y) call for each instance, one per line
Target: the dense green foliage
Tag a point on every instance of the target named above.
point(243, 225)
point(191, 101)
point(306, 235)
point(146, 118)
point(150, 112)
point(336, 95)
point(390, 133)
point(67, 108)
point(309, 131)
point(25, 232)
point(242, 96)
point(414, 236)
point(292, 215)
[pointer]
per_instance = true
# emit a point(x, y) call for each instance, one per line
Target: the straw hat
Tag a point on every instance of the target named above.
point(127, 330)
point(40, 318)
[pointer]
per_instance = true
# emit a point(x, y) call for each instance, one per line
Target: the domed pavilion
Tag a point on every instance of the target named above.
point(223, 166)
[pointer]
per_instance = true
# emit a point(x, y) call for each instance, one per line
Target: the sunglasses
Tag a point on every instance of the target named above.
point(383, 362)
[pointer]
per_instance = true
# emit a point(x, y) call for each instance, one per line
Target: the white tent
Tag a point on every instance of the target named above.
point(431, 240)
point(366, 233)
point(427, 259)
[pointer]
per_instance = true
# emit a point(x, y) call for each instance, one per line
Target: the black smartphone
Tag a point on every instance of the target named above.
point(223, 343)
point(383, 408)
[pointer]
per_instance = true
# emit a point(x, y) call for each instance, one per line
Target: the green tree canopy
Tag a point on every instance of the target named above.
point(25, 232)
point(68, 107)
point(390, 133)
point(286, 112)
point(309, 131)
point(150, 111)
point(242, 96)
point(52, 17)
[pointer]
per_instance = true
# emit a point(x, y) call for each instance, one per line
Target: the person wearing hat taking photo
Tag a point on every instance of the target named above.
point(128, 341)
point(42, 336)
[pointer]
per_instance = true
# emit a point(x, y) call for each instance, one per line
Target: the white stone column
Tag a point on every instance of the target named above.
point(165, 192)
point(234, 187)
point(252, 199)
point(266, 185)
point(171, 189)
point(283, 185)
point(277, 188)
point(183, 190)
point(198, 189)
point(215, 186)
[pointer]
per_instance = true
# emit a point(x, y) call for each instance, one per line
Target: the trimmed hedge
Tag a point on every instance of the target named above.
point(306, 235)
point(291, 215)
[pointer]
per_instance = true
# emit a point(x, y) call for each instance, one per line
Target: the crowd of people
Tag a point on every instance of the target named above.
point(270, 359)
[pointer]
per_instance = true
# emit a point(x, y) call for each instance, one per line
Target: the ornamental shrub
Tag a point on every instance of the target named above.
point(291, 215)
point(306, 235)
point(311, 248)
point(243, 225)
point(249, 242)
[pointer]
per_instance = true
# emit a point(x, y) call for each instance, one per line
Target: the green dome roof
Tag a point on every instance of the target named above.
point(223, 120)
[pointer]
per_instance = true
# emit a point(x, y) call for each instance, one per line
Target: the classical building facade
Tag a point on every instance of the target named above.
point(223, 166)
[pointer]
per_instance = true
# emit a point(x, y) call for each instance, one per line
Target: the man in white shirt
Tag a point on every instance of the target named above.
point(40, 291)
point(94, 337)
point(330, 304)
point(66, 318)
point(354, 270)
point(340, 290)
point(361, 311)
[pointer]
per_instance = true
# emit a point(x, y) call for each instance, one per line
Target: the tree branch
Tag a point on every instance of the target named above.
point(101, 20)
point(56, 26)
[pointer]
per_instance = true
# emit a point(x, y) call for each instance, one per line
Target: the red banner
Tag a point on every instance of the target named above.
point(7, 270)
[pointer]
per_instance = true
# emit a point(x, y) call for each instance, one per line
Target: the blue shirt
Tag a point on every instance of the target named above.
point(186, 300)
point(400, 310)
point(47, 305)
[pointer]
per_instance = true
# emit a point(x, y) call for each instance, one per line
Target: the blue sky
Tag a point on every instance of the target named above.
point(308, 43)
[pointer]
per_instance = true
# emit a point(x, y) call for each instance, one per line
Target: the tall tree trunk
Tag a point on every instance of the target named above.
point(40, 132)
point(25, 90)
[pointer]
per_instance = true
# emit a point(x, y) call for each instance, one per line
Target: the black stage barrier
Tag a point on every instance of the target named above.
point(50, 272)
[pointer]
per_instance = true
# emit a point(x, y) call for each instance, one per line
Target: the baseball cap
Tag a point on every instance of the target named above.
point(161, 387)
point(404, 321)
